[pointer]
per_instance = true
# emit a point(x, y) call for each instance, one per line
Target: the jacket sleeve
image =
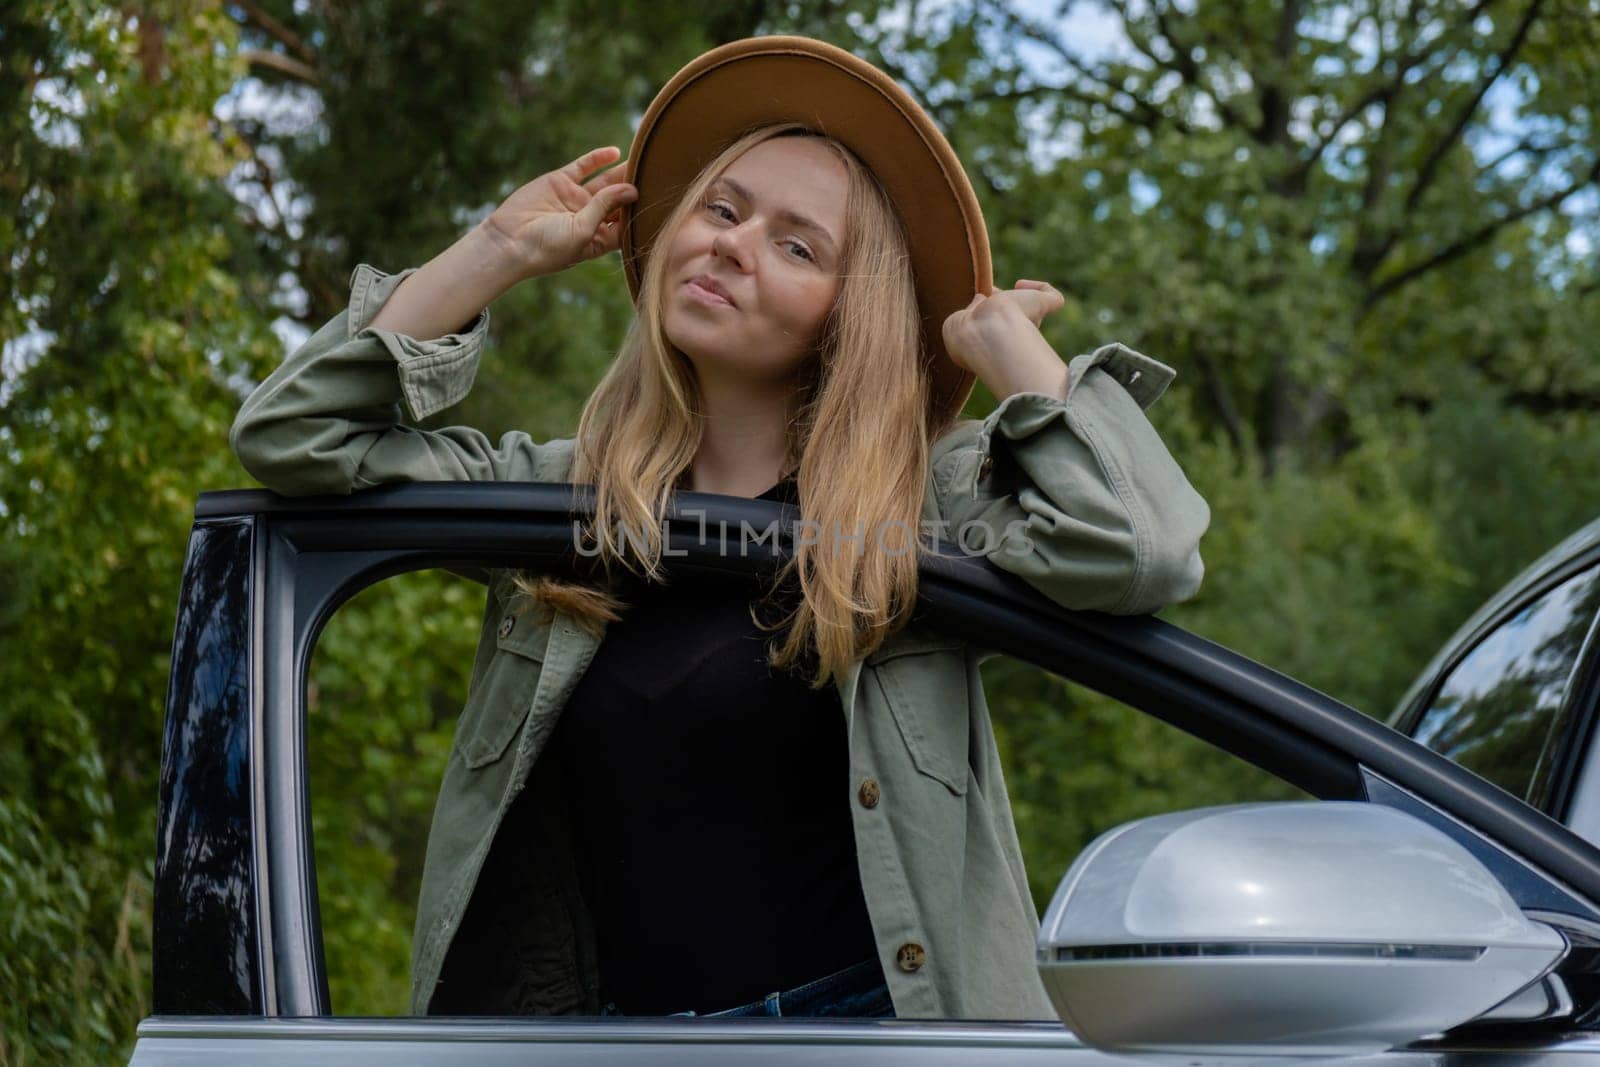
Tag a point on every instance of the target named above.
point(1079, 497)
point(328, 419)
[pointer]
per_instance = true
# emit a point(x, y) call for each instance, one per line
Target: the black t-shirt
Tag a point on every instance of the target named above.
point(710, 805)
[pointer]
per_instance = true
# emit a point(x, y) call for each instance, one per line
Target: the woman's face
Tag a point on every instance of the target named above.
point(770, 233)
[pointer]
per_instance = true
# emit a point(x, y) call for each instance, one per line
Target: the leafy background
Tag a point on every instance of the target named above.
point(1364, 232)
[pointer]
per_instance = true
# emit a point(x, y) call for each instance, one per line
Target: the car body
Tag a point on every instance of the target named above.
point(238, 966)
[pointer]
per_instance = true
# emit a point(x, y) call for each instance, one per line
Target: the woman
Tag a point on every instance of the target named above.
point(642, 812)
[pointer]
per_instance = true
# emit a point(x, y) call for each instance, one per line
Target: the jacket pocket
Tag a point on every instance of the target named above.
point(924, 680)
point(499, 704)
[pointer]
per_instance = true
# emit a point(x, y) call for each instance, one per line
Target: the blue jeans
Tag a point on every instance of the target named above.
point(858, 991)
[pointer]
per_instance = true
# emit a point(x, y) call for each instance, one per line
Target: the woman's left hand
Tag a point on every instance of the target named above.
point(997, 338)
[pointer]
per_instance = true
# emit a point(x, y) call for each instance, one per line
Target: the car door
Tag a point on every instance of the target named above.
point(238, 959)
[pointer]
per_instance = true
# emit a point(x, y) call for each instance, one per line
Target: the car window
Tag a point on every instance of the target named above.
point(388, 680)
point(1495, 712)
point(1583, 810)
point(1078, 763)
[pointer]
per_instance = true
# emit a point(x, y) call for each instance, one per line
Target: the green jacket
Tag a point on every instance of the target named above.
point(1098, 516)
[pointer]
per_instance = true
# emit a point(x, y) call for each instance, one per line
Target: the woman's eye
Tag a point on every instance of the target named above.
point(721, 210)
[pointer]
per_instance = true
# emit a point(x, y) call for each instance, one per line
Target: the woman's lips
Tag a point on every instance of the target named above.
point(701, 295)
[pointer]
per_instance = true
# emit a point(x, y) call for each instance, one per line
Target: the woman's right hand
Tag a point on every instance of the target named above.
point(566, 216)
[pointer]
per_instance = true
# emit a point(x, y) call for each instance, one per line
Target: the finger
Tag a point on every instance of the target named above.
point(1050, 295)
point(606, 202)
point(590, 161)
point(606, 177)
point(607, 239)
point(1034, 303)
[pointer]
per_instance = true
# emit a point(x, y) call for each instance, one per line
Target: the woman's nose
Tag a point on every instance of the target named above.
point(733, 245)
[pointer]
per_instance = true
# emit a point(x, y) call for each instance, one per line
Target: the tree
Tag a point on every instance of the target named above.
point(122, 326)
point(1291, 195)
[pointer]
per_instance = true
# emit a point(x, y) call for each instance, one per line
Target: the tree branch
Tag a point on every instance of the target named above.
point(277, 31)
point(1273, 128)
point(283, 64)
point(1221, 399)
point(1523, 146)
point(1072, 92)
point(1183, 63)
point(1379, 159)
point(1137, 38)
point(1037, 33)
point(1503, 60)
point(152, 47)
point(268, 186)
point(1551, 403)
point(1370, 248)
point(1384, 90)
point(1478, 238)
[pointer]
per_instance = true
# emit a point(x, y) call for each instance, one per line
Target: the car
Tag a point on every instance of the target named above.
point(1412, 912)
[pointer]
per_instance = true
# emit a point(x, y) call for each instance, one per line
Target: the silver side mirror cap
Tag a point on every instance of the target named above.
point(1298, 929)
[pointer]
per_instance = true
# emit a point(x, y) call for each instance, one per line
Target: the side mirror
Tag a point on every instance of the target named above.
point(1282, 929)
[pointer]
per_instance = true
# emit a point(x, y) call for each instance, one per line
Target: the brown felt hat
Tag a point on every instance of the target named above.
point(735, 87)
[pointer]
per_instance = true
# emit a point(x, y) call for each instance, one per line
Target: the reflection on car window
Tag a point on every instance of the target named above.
point(1496, 710)
point(391, 673)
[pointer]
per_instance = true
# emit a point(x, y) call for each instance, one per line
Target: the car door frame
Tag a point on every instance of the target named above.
point(306, 556)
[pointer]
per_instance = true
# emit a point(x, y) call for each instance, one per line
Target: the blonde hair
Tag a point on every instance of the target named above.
point(859, 439)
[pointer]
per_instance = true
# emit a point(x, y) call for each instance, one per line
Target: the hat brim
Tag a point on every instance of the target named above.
point(731, 89)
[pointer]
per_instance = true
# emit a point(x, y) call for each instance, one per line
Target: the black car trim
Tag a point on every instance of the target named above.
point(1343, 950)
point(258, 769)
point(1531, 888)
point(1576, 721)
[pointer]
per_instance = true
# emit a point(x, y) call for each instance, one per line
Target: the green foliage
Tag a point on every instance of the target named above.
point(74, 935)
point(387, 679)
point(1078, 764)
point(1353, 574)
point(1365, 239)
point(120, 233)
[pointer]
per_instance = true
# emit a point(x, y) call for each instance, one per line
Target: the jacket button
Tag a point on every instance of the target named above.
point(986, 466)
point(911, 957)
point(868, 793)
point(506, 625)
